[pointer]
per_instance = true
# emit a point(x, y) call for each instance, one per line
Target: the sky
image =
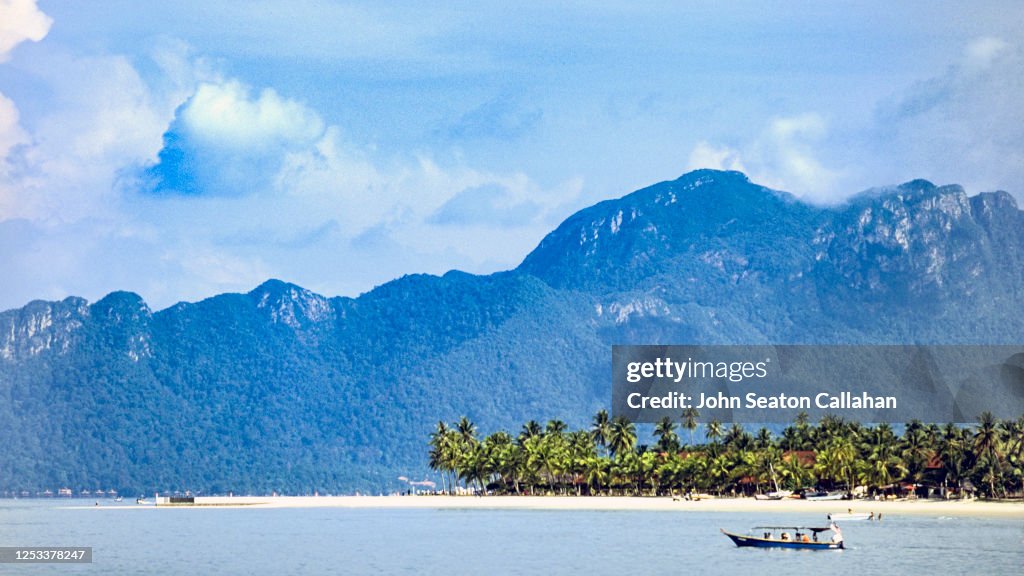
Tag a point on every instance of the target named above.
point(184, 149)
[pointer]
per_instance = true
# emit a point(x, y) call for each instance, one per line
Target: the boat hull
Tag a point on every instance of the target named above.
point(829, 496)
point(744, 541)
point(847, 517)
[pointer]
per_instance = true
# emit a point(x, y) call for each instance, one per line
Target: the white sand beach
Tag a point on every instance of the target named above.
point(973, 508)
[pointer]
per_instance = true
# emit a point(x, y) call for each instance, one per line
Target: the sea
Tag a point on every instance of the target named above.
point(197, 541)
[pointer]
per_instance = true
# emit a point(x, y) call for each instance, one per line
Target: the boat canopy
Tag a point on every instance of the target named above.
point(811, 528)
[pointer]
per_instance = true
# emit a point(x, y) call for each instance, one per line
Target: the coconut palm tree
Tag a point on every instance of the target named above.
point(601, 429)
point(665, 432)
point(597, 473)
point(442, 453)
point(916, 450)
point(952, 452)
point(791, 439)
point(467, 430)
point(763, 439)
point(556, 427)
point(529, 430)
point(1014, 450)
point(991, 454)
point(736, 438)
point(622, 438)
point(986, 450)
point(690, 419)
point(714, 430)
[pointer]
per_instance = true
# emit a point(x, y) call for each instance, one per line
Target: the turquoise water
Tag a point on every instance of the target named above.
point(146, 540)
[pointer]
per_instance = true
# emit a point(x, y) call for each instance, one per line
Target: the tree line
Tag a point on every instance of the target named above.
point(986, 459)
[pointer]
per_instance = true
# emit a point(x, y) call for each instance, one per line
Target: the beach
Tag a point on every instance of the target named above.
point(963, 508)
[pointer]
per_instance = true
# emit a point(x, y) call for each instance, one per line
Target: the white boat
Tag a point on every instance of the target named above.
point(848, 516)
point(825, 496)
point(777, 495)
point(799, 537)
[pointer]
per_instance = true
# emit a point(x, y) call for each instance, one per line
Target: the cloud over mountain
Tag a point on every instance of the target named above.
point(22, 21)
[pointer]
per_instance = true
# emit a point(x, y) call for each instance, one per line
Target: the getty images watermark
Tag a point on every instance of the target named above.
point(759, 384)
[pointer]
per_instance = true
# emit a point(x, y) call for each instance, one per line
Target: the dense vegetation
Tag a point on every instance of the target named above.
point(606, 459)
point(281, 389)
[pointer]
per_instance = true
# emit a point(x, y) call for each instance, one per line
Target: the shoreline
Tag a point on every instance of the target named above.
point(971, 508)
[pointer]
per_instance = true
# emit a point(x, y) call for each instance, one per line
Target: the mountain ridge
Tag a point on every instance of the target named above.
point(282, 389)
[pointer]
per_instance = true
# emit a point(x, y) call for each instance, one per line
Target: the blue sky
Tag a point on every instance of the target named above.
point(184, 149)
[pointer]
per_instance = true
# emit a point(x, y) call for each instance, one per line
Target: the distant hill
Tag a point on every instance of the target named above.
point(283, 389)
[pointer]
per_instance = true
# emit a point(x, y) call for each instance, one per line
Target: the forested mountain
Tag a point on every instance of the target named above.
point(285, 390)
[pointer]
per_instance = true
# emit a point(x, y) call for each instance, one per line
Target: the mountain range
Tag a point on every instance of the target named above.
point(285, 390)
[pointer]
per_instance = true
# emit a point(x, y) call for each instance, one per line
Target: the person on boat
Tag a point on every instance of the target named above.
point(785, 536)
point(837, 537)
point(804, 538)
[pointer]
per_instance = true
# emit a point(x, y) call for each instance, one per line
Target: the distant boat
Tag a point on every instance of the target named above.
point(821, 495)
point(800, 537)
point(141, 500)
point(847, 516)
point(777, 495)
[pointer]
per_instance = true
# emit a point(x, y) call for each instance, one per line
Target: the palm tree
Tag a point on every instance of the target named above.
point(791, 439)
point(499, 457)
point(665, 431)
point(917, 451)
point(442, 452)
point(986, 438)
point(763, 439)
point(690, 416)
point(803, 430)
point(952, 452)
point(597, 473)
point(991, 454)
point(884, 465)
point(602, 428)
point(736, 438)
point(581, 450)
point(556, 427)
point(467, 430)
point(472, 466)
point(718, 471)
point(986, 449)
point(795, 474)
point(714, 430)
point(622, 437)
point(1014, 449)
point(529, 430)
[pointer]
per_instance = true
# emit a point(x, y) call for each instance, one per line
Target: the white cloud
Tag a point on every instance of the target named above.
point(787, 159)
point(319, 210)
point(982, 52)
point(20, 20)
point(11, 133)
point(965, 125)
point(226, 115)
point(70, 160)
point(707, 155)
point(781, 156)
